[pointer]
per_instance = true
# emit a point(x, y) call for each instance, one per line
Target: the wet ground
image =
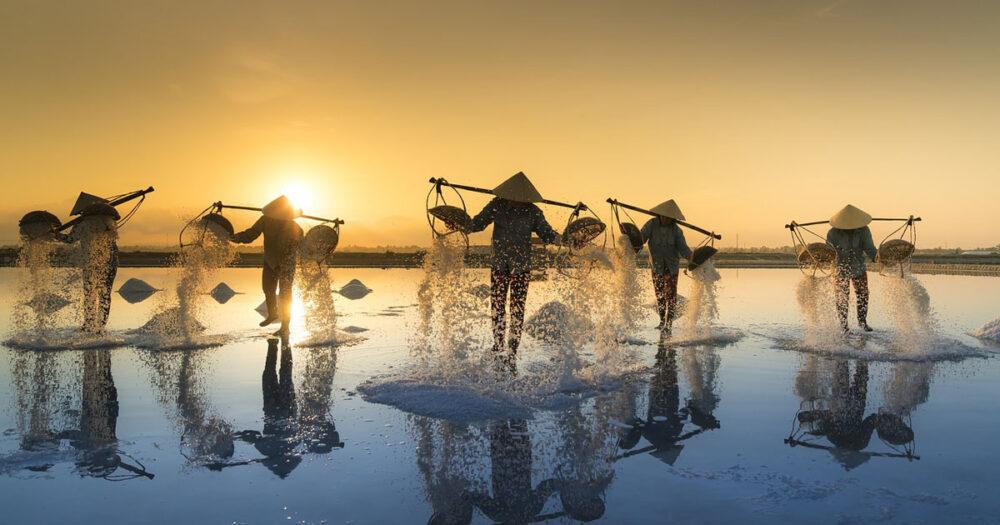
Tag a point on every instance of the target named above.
point(253, 432)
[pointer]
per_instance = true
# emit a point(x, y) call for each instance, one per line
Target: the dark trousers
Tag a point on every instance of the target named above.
point(843, 293)
point(517, 284)
point(97, 286)
point(277, 285)
point(665, 287)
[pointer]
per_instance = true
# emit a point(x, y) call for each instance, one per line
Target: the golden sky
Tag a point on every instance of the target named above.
point(747, 113)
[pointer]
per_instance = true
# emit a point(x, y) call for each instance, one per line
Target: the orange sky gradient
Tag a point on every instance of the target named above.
point(747, 113)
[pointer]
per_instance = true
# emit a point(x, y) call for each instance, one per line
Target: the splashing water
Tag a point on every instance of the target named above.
point(702, 307)
point(446, 338)
point(819, 311)
point(909, 307)
point(176, 322)
point(320, 308)
point(989, 331)
point(97, 237)
point(627, 285)
point(40, 285)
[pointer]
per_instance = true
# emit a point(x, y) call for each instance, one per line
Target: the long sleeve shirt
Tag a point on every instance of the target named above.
point(852, 246)
point(666, 246)
point(513, 225)
point(281, 239)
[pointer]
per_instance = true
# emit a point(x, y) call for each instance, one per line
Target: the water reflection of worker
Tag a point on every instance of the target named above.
point(843, 422)
point(514, 500)
point(281, 239)
point(702, 367)
point(908, 388)
point(97, 234)
point(666, 246)
point(665, 418)
point(852, 239)
point(317, 428)
point(96, 436)
point(280, 434)
point(514, 218)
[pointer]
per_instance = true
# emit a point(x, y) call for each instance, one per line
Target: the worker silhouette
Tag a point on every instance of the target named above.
point(514, 217)
point(852, 239)
point(281, 240)
point(666, 246)
point(97, 236)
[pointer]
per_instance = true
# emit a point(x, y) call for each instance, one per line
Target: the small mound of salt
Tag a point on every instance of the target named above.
point(47, 304)
point(262, 309)
point(990, 331)
point(554, 321)
point(354, 290)
point(135, 286)
point(481, 291)
point(222, 293)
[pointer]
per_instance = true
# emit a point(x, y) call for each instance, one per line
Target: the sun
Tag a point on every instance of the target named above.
point(300, 195)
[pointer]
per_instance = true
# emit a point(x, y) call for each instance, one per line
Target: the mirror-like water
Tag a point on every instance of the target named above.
point(762, 423)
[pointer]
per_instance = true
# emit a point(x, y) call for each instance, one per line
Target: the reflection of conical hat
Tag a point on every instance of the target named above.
point(519, 189)
point(282, 208)
point(669, 209)
point(850, 218)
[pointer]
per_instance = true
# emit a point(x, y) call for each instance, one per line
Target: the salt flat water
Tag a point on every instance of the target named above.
point(715, 432)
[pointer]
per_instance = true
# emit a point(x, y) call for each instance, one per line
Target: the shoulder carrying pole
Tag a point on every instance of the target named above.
point(120, 200)
point(909, 220)
point(219, 206)
point(442, 182)
point(714, 235)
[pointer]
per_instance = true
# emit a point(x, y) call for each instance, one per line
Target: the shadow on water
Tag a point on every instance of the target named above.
point(46, 402)
point(509, 469)
point(293, 425)
point(834, 414)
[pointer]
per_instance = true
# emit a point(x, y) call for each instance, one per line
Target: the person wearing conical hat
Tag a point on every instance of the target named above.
point(666, 246)
point(514, 217)
point(281, 240)
point(852, 239)
point(97, 235)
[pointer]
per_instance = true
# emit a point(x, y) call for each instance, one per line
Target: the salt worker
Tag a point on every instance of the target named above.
point(852, 239)
point(514, 217)
point(666, 246)
point(281, 240)
point(97, 234)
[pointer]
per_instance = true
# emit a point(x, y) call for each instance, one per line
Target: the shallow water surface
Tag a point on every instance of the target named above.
point(757, 430)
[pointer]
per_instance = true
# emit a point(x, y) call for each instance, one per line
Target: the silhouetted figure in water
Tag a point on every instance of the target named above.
point(281, 239)
point(844, 423)
point(666, 246)
point(665, 418)
point(96, 437)
point(279, 438)
point(514, 500)
point(514, 217)
point(97, 235)
point(852, 239)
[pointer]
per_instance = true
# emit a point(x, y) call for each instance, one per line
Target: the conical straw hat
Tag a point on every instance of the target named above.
point(519, 189)
point(850, 218)
point(281, 208)
point(669, 209)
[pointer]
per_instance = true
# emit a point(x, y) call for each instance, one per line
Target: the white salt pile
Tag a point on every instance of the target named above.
point(481, 291)
point(135, 285)
point(222, 293)
point(554, 322)
point(46, 303)
point(136, 290)
point(989, 331)
point(354, 290)
point(261, 309)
